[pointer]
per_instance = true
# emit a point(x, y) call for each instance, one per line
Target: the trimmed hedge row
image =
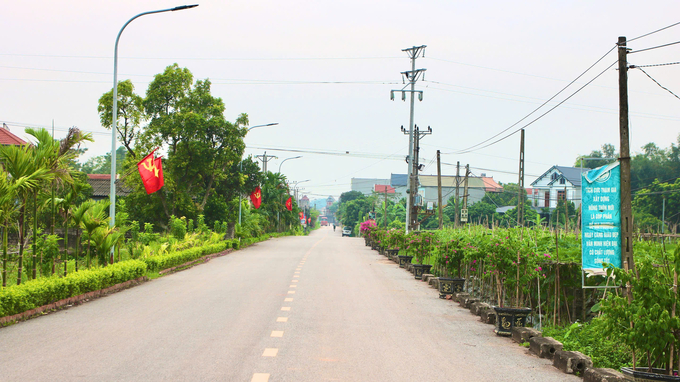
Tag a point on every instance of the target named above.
point(158, 263)
point(46, 290)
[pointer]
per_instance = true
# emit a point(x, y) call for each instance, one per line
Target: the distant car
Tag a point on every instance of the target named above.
point(346, 231)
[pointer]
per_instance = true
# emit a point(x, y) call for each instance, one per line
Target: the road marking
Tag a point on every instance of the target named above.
point(296, 276)
point(286, 308)
point(270, 352)
point(277, 333)
point(288, 299)
point(281, 319)
point(294, 281)
point(297, 271)
point(291, 292)
point(292, 286)
point(260, 377)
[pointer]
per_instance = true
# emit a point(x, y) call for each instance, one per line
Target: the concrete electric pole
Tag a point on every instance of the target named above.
point(265, 158)
point(412, 76)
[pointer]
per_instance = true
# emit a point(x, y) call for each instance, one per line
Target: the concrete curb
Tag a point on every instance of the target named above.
point(75, 300)
point(191, 263)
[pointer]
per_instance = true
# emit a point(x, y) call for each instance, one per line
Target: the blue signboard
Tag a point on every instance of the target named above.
point(601, 217)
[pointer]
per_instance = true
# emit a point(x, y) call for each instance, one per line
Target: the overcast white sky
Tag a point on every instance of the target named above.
point(489, 63)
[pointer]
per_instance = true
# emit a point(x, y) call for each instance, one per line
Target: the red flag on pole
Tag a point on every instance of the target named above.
point(151, 171)
point(289, 204)
point(256, 197)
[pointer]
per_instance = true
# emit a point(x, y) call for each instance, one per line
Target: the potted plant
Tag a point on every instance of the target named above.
point(420, 248)
point(450, 259)
point(646, 319)
point(512, 266)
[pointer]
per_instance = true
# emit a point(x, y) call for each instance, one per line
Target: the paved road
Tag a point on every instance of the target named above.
point(316, 308)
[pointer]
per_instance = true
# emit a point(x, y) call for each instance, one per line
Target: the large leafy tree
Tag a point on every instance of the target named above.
point(202, 150)
point(130, 115)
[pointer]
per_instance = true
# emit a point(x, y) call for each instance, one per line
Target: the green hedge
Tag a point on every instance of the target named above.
point(46, 290)
point(158, 263)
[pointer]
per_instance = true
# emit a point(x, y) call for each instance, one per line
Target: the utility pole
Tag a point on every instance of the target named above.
point(264, 159)
point(465, 190)
point(520, 183)
point(439, 189)
point(457, 219)
point(626, 209)
point(412, 76)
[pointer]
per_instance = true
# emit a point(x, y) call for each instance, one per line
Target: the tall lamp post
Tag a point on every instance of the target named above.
point(112, 191)
point(241, 168)
point(299, 156)
point(278, 213)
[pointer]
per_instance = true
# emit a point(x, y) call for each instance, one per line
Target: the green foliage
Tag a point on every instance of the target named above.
point(202, 227)
point(45, 290)
point(178, 227)
point(157, 263)
point(591, 339)
point(644, 324)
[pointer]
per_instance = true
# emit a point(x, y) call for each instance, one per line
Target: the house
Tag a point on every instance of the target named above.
point(7, 138)
point(384, 189)
point(366, 185)
point(478, 186)
point(101, 186)
point(558, 183)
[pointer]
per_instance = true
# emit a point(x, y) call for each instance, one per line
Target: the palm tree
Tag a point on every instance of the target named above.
point(94, 217)
point(77, 215)
point(19, 162)
point(8, 211)
point(54, 156)
point(63, 206)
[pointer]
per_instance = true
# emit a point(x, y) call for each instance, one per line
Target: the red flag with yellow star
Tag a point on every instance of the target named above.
point(151, 171)
point(256, 197)
point(289, 204)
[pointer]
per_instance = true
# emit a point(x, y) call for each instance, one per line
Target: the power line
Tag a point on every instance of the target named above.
point(656, 31)
point(649, 66)
point(654, 47)
point(550, 99)
point(206, 58)
point(464, 151)
point(655, 81)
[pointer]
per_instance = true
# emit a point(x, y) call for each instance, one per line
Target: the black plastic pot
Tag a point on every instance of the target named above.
point(508, 318)
point(392, 252)
point(420, 269)
point(403, 260)
point(450, 286)
point(640, 374)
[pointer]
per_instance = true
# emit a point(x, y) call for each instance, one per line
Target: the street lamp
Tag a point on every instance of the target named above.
point(299, 156)
point(241, 168)
point(112, 195)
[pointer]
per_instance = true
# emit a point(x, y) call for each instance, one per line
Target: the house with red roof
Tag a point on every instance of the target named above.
point(7, 138)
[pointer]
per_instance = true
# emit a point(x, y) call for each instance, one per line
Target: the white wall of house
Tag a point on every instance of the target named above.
point(543, 186)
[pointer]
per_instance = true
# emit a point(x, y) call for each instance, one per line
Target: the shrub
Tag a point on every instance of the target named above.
point(172, 259)
point(46, 290)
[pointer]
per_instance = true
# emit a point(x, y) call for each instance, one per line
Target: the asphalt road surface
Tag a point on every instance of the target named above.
point(315, 308)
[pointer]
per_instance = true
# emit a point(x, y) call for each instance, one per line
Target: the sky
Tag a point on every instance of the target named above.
point(323, 71)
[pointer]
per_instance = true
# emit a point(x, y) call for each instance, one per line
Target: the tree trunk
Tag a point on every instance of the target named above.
point(22, 232)
point(35, 235)
point(231, 229)
point(4, 255)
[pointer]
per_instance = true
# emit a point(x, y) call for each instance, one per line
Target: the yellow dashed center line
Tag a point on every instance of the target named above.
point(295, 281)
point(282, 319)
point(285, 308)
point(292, 286)
point(291, 292)
point(277, 333)
point(288, 299)
point(296, 276)
point(270, 352)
